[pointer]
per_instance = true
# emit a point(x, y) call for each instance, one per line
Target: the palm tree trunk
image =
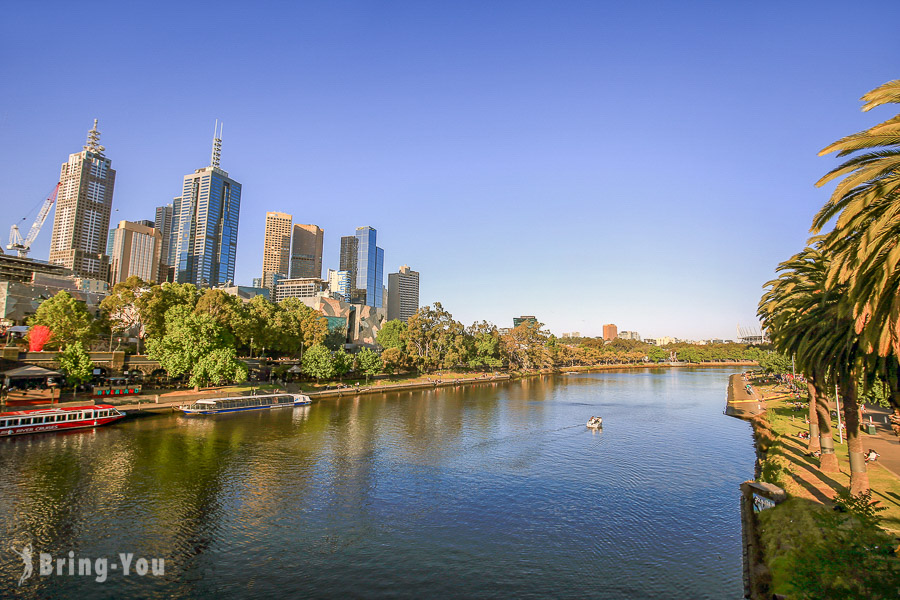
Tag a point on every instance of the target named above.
point(814, 444)
point(859, 477)
point(828, 461)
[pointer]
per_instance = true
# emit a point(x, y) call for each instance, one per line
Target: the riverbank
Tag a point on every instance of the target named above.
point(779, 534)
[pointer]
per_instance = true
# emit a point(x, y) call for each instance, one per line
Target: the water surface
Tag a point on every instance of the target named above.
point(488, 491)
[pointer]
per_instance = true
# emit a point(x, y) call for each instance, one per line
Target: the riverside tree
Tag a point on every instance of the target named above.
point(318, 363)
point(368, 362)
point(76, 364)
point(197, 346)
point(67, 319)
point(120, 308)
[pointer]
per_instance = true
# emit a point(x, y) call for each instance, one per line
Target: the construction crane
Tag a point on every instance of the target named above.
point(22, 246)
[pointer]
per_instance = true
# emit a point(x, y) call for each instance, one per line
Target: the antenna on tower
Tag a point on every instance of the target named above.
point(217, 144)
point(93, 141)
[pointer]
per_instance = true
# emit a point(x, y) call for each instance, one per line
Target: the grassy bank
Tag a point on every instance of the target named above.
point(805, 538)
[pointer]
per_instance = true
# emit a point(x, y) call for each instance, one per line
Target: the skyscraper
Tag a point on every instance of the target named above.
point(403, 294)
point(83, 205)
point(339, 283)
point(610, 332)
point(208, 224)
point(163, 224)
point(306, 251)
point(369, 280)
point(134, 249)
point(349, 256)
point(277, 244)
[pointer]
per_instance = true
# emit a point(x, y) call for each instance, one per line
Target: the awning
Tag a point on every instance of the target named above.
point(29, 372)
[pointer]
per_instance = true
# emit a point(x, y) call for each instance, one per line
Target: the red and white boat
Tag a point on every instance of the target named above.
point(42, 420)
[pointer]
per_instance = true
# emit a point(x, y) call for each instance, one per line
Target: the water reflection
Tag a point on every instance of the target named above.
point(494, 490)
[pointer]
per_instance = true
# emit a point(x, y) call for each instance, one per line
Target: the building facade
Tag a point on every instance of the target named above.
point(349, 255)
point(83, 207)
point(134, 250)
point(208, 218)
point(164, 220)
point(339, 284)
point(403, 294)
point(629, 335)
point(610, 332)
point(306, 251)
point(277, 244)
point(307, 287)
point(524, 319)
point(369, 282)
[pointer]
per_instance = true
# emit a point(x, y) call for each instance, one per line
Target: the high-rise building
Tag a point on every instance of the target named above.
point(349, 256)
point(277, 244)
point(172, 259)
point(403, 294)
point(83, 206)
point(208, 224)
point(305, 287)
point(629, 335)
point(163, 224)
point(306, 251)
point(134, 249)
point(610, 332)
point(339, 283)
point(524, 319)
point(369, 282)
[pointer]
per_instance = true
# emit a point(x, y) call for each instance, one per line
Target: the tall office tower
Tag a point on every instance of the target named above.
point(349, 256)
point(134, 249)
point(208, 224)
point(369, 268)
point(610, 332)
point(83, 205)
point(306, 252)
point(172, 259)
point(277, 244)
point(164, 226)
point(339, 283)
point(403, 294)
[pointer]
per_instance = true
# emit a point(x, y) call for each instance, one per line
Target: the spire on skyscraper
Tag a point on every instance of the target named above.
point(93, 141)
point(217, 144)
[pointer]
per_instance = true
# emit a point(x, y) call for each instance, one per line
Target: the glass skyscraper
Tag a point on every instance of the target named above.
point(369, 266)
point(206, 245)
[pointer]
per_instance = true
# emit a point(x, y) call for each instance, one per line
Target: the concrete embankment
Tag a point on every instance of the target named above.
point(742, 402)
point(147, 405)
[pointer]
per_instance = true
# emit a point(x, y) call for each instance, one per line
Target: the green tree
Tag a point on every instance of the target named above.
point(76, 364)
point(434, 339)
point(392, 359)
point(343, 363)
point(526, 346)
point(192, 344)
point(368, 362)
point(392, 334)
point(155, 304)
point(300, 326)
point(485, 345)
point(120, 308)
point(67, 319)
point(317, 362)
point(226, 309)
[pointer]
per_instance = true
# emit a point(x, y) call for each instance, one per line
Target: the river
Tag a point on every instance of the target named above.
point(485, 491)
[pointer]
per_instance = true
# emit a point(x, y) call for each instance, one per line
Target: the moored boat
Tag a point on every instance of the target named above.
point(595, 423)
point(42, 420)
point(214, 406)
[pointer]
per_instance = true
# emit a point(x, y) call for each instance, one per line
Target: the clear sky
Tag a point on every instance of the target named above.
point(646, 164)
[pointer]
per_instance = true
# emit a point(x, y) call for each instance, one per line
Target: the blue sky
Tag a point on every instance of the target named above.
point(646, 163)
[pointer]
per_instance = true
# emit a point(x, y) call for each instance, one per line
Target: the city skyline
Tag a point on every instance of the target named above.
point(485, 159)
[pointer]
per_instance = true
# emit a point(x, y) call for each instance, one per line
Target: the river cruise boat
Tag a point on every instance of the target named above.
point(222, 405)
point(42, 420)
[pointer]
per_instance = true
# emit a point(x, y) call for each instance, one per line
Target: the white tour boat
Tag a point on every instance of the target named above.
point(595, 423)
point(43, 420)
point(235, 403)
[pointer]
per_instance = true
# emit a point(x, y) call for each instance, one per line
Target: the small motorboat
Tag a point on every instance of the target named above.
point(595, 423)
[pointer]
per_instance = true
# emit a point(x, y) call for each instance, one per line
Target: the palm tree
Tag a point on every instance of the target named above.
point(791, 310)
point(865, 243)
